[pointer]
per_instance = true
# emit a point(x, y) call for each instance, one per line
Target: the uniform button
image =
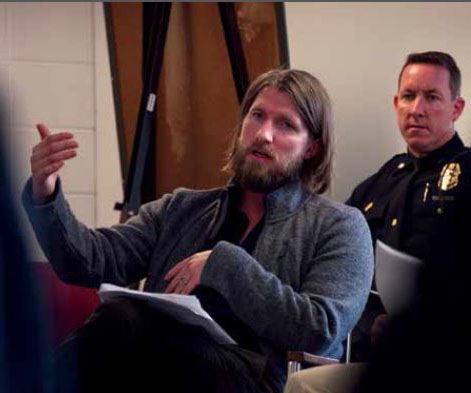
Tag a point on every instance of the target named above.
point(440, 210)
point(401, 165)
point(368, 207)
point(394, 222)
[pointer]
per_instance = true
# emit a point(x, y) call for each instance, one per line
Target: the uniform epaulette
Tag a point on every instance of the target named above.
point(392, 161)
point(464, 153)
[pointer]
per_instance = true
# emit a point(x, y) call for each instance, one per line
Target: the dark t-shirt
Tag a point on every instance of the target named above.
point(232, 230)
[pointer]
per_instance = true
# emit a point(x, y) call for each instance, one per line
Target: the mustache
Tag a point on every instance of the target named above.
point(262, 148)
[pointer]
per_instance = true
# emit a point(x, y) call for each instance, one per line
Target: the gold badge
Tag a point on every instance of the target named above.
point(449, 176)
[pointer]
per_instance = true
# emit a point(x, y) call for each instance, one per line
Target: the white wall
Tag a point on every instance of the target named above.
point(54, 64)
point(357, 51)
point(53, 60)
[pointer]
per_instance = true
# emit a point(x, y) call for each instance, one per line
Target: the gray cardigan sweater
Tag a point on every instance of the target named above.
point(303, 288)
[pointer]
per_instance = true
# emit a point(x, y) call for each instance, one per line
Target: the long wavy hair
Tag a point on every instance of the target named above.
point(313, 105)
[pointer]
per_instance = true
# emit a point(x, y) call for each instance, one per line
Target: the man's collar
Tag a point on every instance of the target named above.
point(278, 203)
point(285, 200)
point(444, 152)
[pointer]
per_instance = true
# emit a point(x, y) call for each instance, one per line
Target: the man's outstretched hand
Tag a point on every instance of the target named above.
point(47, 158)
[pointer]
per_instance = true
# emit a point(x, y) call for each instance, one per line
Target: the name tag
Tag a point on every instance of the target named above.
point(442, 198)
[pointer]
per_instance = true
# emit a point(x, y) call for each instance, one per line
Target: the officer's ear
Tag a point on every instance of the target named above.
point(458, 107)
point(396, 101)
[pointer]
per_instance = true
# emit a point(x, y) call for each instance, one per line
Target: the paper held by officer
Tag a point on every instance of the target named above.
point(396, 277)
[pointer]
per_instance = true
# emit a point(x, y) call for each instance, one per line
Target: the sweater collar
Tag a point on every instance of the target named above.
point(281, 202)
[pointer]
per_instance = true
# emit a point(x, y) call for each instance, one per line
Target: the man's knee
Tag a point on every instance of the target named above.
point(305, 381)
point(119, 314)
point(335, 378)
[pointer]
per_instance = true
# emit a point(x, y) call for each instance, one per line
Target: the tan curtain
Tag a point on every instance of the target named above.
point(196, 102)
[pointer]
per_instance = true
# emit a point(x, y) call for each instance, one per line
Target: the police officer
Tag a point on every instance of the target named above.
point(417, 202)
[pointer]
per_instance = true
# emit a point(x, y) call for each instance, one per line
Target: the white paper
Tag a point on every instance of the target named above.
point(185, 308)
point(396, 277)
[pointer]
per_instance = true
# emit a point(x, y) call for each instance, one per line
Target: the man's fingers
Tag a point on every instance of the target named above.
point(43, 131)
point(54, 138)
point(178, 286)
point(186, 289)
point(179, 278)
point(179, 266)
point(179, 290)
point(172, 286)
point(44, 149)
point(47, 171)
point(39, 164)
point(186, 274)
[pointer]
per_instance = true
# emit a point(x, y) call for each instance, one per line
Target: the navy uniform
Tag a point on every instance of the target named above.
point(419, 206)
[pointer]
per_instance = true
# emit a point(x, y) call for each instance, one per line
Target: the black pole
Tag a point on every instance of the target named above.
point(234, 48)
point(282, 35)
point(146, 116)
point(116, 88)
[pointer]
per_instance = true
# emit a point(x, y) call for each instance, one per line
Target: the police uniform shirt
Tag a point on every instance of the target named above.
point(418, 205)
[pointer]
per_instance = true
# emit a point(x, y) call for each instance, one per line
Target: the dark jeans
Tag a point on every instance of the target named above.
point(127, 345)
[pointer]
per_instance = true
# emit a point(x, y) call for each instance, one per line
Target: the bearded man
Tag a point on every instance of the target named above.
point(278, 266)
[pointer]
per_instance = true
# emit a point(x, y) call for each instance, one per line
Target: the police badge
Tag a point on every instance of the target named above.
point(449, 176)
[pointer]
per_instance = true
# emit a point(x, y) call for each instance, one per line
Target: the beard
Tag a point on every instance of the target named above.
point(256, 177)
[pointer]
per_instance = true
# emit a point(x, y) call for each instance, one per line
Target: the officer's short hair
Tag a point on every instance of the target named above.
point(440, 59)
point(313, 104)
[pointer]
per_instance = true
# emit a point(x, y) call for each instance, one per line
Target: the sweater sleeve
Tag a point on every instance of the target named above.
point(319, 314)
point(88, 257)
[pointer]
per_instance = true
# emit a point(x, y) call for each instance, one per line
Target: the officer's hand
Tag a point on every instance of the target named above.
point(379, 325)
point(186, 274)
point(47, 158)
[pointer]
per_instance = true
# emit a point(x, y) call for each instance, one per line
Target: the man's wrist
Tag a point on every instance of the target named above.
point(43, 200)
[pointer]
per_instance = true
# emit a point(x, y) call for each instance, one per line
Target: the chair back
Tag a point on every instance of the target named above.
point(297, 358)
point(66, 306)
